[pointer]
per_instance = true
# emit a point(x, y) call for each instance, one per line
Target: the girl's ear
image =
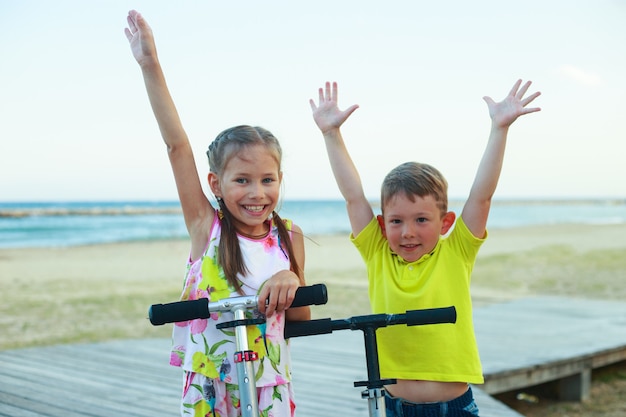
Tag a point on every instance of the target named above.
point(448, 221)
point(381, 223)
point(214, 183)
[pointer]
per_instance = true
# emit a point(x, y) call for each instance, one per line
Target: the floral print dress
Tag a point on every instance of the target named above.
point(206, 353)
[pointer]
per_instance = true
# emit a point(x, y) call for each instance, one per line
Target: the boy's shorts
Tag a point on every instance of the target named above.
point(463, 406)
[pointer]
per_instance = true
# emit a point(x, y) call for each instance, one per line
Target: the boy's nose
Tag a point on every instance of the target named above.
point(409, 231)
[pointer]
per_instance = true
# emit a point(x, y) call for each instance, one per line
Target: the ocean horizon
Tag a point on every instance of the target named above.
point(54, 224)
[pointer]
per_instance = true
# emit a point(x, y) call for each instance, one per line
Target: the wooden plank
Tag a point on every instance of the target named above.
point(345, 349)
point(534, 340)
point(531, 331)
point(132, 378)
point(490, 407)
point(56, 381)
point(609, 356)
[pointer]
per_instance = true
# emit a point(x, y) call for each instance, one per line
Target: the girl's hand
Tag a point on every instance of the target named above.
point(504, 113)
point(139, 35)
point(326, 113)
point(278, 292)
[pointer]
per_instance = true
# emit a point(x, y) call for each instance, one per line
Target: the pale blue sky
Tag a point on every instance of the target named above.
point(76, 123)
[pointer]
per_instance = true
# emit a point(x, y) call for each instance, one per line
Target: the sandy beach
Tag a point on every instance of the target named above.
point(100, 292)
point(89, 293)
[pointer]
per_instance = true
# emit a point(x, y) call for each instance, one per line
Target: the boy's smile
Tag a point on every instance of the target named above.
point(412, 228)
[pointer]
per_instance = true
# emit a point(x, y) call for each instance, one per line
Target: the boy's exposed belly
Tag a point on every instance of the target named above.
point(426, 391)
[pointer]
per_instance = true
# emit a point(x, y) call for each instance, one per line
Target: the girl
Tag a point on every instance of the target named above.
point(242, 248)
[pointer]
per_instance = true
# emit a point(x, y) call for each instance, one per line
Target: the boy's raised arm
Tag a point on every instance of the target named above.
point(503, 114)
point(329, 119)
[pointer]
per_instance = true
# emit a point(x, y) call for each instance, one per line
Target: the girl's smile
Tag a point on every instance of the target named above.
point(250, 188)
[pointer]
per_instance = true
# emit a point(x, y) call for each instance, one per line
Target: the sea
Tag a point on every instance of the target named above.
point(62, 224)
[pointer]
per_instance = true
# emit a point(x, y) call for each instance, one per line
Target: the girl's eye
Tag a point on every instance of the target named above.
point(268, 180)
point(241, 180)
point(395, 221)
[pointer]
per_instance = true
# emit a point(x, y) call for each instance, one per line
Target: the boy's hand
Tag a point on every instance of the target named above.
point(326, 113)
point(504, 113)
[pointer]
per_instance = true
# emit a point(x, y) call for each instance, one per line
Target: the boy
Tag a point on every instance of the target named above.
point(412, 266)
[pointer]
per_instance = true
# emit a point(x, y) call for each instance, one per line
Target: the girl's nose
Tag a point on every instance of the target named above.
point(255, 190)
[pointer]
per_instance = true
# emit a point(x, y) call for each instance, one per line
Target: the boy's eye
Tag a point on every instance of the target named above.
point(395, 221)
point(241, 180)
point(422, 219)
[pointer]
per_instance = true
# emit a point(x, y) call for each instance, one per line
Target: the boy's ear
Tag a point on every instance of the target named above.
point(448, 221)
point(214, 183)
point(381, 223)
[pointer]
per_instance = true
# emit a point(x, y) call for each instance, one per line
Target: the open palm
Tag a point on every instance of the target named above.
point(326, 113)
point(505, 112)
point(140, 37)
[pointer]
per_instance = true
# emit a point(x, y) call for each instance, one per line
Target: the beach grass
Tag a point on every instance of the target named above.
point(101, 292)
point(556, 270)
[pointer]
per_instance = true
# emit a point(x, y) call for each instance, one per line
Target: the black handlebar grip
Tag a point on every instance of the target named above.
point(431, 316)
point(199, 309)
point(179, 311)
point(310, 295)
point(308, 328)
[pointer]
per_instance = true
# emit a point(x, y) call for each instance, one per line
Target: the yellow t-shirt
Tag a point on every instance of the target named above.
point(438, 352)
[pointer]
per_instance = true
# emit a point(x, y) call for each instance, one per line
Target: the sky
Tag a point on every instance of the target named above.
point(76, 125)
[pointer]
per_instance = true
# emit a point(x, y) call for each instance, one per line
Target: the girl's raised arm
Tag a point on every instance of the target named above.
point(197, 209)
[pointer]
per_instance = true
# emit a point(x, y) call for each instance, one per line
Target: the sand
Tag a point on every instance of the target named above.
point(98, 292)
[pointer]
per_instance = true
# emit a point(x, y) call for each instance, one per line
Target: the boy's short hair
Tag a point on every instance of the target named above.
point(415, 179)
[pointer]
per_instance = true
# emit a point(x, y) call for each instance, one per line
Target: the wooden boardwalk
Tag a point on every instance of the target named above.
point(535, 340)
point(521, 342)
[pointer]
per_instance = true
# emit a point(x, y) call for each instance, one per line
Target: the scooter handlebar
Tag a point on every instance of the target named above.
point(201, 309)
point(410, 318)
point(431, 316)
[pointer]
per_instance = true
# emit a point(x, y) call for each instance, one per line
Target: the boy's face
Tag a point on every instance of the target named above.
point(412, 228)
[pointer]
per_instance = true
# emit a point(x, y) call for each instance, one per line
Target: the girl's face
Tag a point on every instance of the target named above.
point(412, 228)
point(250, 188)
